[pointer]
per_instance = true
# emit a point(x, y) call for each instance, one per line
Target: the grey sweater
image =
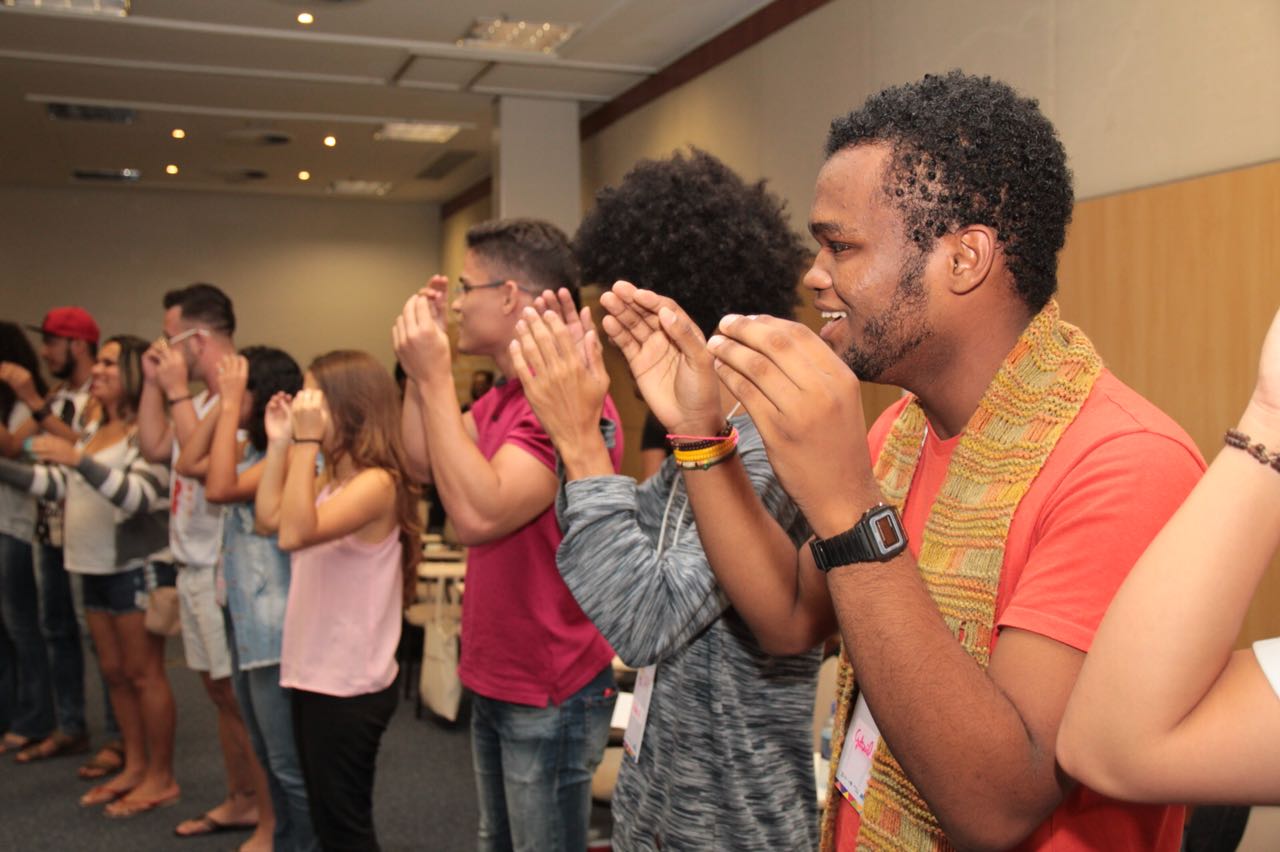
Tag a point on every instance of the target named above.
point(727, 756)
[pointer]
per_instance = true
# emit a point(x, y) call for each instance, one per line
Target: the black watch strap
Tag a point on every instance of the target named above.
point(878, 536)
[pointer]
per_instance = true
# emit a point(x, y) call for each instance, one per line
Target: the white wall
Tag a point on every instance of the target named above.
point(1141, 91)
point(307, 276)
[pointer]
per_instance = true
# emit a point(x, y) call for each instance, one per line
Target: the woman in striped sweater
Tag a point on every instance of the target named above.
point(117, 540)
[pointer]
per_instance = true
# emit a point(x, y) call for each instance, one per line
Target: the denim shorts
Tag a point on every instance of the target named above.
point(126, 592)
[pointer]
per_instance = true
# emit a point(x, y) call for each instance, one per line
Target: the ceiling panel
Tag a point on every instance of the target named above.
point(425, 71)
point(589, 84)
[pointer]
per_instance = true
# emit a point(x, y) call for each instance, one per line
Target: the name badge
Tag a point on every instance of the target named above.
point(860, 742)
point(634, 735)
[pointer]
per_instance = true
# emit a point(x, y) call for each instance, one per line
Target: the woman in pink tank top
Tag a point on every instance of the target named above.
point(353, 535)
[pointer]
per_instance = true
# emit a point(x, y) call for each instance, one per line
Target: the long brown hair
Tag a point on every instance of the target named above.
point(364, 406)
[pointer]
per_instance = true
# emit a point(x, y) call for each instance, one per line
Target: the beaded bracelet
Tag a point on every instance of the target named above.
point(702, 453)
point(1240, 441)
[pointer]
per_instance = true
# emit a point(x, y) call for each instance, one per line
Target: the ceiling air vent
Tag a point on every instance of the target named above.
point(107, 175)
point(445, 163)
point(239, 175)
point(81, 112)
point(257, 137)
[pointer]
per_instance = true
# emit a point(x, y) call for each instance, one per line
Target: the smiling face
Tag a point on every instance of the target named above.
point(106, 386)
point(870, 281)
point(486, 317)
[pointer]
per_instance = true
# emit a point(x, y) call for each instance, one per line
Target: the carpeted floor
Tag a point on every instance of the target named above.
point(424, 794)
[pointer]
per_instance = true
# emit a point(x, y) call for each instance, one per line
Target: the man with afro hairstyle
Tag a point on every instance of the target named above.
point(724, 757)
point(967, 547)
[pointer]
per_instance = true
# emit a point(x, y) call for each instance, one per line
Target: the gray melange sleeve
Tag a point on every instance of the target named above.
point(645, 605)
point(140, 486)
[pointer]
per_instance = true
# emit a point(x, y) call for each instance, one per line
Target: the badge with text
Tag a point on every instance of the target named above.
point(856, 756)
point(632, 739)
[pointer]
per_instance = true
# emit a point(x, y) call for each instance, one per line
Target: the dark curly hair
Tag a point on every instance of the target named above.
point(968, 150)
point(270, 370)
point(689, 228)
point(17, 348)
point(535, 254)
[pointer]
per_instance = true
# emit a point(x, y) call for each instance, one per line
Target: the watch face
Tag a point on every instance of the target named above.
point(886, 531)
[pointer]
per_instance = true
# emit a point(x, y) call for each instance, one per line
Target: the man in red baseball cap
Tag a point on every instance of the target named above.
point(70, 323)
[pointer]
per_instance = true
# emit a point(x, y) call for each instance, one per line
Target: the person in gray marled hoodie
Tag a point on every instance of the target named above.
point(725, 757)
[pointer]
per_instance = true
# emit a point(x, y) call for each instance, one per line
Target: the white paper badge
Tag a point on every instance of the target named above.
point(632, 739)
point(860, 743)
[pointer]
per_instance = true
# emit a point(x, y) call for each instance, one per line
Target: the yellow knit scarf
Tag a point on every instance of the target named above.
point(1037, 393)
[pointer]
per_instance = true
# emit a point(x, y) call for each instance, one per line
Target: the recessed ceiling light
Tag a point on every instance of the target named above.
point(416, 131)
point(530, 36)
point(330, 141)
point(306, 18)
point(178, 133)
point(171, 169)
point(304, 175)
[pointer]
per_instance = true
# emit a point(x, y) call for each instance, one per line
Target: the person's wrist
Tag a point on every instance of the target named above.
point(837, 512)
point(174, 392)
point(703, 425)
point(1261, 422)
point(32, 400)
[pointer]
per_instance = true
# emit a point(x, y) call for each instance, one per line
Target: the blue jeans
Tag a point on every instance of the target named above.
point(61, 633)
point(267, 710)
point(31, 714)
point(534, 767)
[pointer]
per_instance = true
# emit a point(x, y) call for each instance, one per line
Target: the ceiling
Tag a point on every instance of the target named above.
point(225, 72)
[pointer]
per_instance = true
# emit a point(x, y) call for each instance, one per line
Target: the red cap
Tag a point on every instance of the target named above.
point(72, 322)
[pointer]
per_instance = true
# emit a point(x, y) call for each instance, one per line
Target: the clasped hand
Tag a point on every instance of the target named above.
point(55, 450)
point(420, 334)
point(807, 404)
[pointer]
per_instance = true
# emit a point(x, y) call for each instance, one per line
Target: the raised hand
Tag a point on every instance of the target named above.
point(19, 378)
point(566, 392)
point(668, 357)
point(55, 450)
point(233, 378)
point(279, 418)
point(808, 407)
point(170, 371)
point(310, 414)
point(420, 334)
point(151, 360)
point(575, 322)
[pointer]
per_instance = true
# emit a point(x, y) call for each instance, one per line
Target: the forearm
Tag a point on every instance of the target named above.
point(1168, 635)
point(183, 415)
point(584, 453)
point(220, 475)
point(140, 487)
point(50, 425)
point(782, 599)
point(298, 518)
point(17, 474)
point(646, 603)
point(155, 435)
point(413, 427)
point(266, 503)
point(467, 483)
point(956, 733)
point(193, 455)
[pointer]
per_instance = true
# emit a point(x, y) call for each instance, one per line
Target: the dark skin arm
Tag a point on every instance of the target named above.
point(979, 745)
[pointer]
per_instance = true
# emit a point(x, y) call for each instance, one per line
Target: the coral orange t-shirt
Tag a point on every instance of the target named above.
point(1115, 477)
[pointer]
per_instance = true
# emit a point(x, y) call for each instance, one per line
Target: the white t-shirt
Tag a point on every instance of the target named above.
point(17, 508)
point(89, 546)
point(1268, 653)
point(195, 524)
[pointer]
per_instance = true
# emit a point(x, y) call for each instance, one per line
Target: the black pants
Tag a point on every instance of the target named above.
point(338, 748)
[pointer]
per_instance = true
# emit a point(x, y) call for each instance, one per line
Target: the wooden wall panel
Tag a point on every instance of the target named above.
point(1176, 285)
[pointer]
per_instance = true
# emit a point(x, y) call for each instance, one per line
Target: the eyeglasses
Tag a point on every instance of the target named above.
point(183, 335)
point(467, 288)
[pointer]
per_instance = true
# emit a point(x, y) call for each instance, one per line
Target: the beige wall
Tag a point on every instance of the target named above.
point(307, 276)
point(1142, 91)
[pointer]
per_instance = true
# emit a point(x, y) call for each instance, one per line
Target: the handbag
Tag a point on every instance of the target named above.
point(162, 617)
point(439, 685)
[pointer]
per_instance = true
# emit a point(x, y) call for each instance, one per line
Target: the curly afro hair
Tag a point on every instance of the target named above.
point(968, 150)
point(270, 371)
point(689, 228)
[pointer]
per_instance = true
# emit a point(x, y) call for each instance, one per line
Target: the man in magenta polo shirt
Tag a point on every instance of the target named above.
point(544, 689)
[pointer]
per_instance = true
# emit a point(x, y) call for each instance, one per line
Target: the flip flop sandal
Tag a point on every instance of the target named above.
point(13, 742)
point(209, 825)
point(57, 745)
point(123, 809)
point(108, 761)
point(101, 795)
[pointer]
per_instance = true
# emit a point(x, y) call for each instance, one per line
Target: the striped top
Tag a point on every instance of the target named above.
point(118, 494)
point(727, 756)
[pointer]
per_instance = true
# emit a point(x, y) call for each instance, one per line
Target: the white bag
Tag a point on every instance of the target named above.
point(439, 685)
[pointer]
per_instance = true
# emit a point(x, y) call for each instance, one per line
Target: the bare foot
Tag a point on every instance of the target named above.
point(228, 815)
point(259, 841)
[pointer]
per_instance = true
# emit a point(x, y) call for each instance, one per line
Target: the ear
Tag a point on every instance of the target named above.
point(511, 301)
point(970, 253)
